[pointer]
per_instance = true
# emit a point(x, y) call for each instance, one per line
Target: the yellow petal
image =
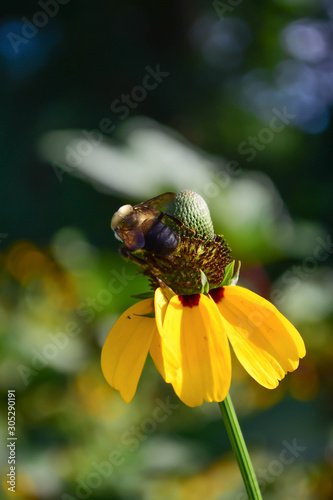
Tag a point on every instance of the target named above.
point(164, 359)
point(264, 341)
point(160, 303)
point(126, 347)
point(196, 338)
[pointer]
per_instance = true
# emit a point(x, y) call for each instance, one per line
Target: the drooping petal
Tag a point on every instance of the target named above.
point(165, 361)
point(126, 347)
point(161, 303)
point(196, 338)
point(264, 341)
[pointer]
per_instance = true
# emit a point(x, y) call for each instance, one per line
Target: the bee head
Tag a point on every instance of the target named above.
point(120, 215)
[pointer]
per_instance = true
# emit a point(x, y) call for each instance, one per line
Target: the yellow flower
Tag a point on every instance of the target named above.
point(188, 342)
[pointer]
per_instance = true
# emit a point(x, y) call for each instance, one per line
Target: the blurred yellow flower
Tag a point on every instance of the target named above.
point(187, 337)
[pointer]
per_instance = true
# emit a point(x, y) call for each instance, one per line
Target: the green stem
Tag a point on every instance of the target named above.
point(240, 449)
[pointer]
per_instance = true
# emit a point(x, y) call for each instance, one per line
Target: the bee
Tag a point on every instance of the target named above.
point(141, 227)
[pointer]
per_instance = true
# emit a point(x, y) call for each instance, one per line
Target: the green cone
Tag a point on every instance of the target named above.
point(193, 211)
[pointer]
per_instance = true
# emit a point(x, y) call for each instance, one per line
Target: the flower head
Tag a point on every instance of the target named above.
point(196, 313)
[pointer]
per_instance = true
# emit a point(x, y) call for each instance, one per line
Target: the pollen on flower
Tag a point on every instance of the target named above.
point(217, 294)
point(189, 300)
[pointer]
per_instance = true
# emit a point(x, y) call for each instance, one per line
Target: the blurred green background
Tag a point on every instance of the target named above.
point(109, 103)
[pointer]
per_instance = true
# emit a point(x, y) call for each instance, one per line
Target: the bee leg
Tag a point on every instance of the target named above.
point(127, 254)
point(172, 217)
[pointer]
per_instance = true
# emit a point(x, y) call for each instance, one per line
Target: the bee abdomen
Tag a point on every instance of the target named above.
point(161, 240)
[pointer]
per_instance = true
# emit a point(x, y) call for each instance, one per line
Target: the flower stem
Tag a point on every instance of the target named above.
point(240, 449)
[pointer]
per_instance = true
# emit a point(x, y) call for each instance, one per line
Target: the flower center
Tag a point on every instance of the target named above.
point(189, 300)
point(181, 270)
point(217, 294)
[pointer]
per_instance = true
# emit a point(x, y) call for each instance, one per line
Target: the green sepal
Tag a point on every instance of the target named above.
point(228, 272)
point(204, 283)
point(235, 277)
point(230, 275)
point(143, 295)
point(148, 315)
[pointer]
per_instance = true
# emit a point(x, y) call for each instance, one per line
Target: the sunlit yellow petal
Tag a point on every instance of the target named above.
point(160, 303)
point(264, 341)
point(196, 337)
point(126, 348)
point(164, 359)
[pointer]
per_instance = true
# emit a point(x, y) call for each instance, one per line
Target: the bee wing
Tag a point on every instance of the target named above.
point(159, 203)
point(134, 238)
